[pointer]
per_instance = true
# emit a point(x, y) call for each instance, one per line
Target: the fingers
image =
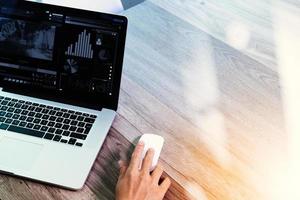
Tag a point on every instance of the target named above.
point(122, 167)
point(164, 186)
point(147, 162)
point(156, 174)
point(136, 156)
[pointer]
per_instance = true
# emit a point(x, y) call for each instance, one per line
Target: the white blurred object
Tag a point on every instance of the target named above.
point(287, 32)
point(109, 6)
point(155, 142)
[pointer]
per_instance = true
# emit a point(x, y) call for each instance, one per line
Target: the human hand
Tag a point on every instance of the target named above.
point(140, 184)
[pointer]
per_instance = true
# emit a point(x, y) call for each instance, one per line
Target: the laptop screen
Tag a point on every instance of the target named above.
point(62, 54)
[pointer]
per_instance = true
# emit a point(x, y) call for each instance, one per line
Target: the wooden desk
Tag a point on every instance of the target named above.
point(203, 74)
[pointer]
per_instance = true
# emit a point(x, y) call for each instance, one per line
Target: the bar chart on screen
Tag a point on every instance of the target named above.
point(81, 48)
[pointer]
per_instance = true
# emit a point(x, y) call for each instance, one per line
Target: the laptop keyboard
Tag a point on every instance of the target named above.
point(47, 122)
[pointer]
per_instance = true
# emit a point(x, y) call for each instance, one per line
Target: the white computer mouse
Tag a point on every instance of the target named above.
point(155, 142)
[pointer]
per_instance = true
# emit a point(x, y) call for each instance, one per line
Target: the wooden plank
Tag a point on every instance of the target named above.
point(250, 29)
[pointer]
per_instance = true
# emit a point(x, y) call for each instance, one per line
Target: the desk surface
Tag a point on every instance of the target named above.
point(204, 75)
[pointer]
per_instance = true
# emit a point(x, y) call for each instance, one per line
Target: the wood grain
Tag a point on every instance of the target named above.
point(216, 102)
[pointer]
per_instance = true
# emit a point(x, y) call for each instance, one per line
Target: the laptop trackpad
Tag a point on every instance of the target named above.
point(18, 154)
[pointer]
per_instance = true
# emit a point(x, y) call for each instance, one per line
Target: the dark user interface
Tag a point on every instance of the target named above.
point(54, 52)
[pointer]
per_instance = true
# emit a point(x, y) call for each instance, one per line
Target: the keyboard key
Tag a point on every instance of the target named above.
point(86, 131)
point(73, 116)
point(52, 118)
point(59, 119)
point(18, 105)
point(51, 124)
point(74, 123)
point(16, 116)
point(24, 112)
point(2, 119)
point(26, 131)
point(49, 136)
point(58, 125)
point(59, 114)
point(93, 116)
point(80, 118)
point(65, 127)
point(57, 138)
point(11, 110)
point(63, 141)
point(24, 107)
point(81, 124)
point(22, 118)
point(38, 109)
point(58, 131)
point(89, 120)
point(44, 128)
point(51, 130)
point(44, 122)
point(67, 121)
point(4, 108)
point(78, 136)
point(29, 125)
point(45, 111)
point(36, 121)
point(31, 114)
point(66, 133)
point(80, 130)
point(37, 127)
point(18, 111)
point(78, 113)
point(4, 103)
point(8, 115)
point(52, 112)
point(45, 117)
point(88, 126)
point(29, 119)
point(38, 115)
point(49, 107)
point(78, 144)
point(22, 124)
point(72, 128)
point(55, 108)
point(16, 122)
point(66, 115)
point(8, 121)
point(72, 141)
point(2, 113)
point(31, 108)
point(4, 126)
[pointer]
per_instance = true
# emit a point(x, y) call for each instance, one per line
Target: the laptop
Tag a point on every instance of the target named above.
point(60, 74)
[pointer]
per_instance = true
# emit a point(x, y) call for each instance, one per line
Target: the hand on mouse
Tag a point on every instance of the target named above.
point(135, 184)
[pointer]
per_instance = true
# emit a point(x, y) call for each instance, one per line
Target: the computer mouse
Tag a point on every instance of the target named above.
point(155, 142)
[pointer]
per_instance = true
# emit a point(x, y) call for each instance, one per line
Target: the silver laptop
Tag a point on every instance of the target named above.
point(60, 73)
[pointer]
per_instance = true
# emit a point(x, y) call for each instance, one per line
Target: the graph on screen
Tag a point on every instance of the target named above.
point(81, 48)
